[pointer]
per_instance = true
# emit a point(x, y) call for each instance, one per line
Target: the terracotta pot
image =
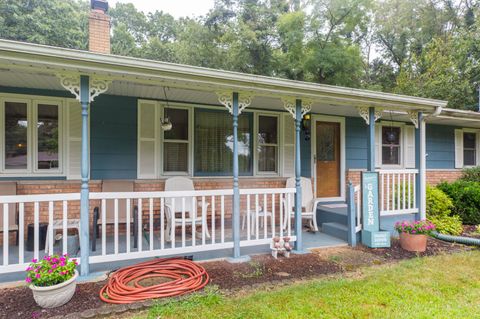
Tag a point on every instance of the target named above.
point(410, 242)
point(57, 295)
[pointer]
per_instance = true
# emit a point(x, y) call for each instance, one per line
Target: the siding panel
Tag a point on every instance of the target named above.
point(440, 146)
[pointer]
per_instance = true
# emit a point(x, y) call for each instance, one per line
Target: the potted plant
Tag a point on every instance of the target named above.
point(413, 235)
point(52, 280)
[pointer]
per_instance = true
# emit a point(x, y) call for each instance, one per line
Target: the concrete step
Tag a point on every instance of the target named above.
point(331, 215)
point(336, 230)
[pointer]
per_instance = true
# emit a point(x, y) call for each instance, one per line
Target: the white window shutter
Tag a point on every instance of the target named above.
point(147, 145)
point(458, 148)
point(409, 146)
point(477, 149)
point(378, 145)
point(74, 139)
point(288, 145)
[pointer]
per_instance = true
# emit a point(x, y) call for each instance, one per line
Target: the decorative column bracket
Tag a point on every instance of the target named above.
point(71, 82)
point(226, 99)
point(413, 116)
point(289, 103)
point(364, 113)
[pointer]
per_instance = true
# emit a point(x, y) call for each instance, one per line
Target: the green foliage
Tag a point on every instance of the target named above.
point(471, 174)
point(439, 212)
point(465, 196)
point(51, 270)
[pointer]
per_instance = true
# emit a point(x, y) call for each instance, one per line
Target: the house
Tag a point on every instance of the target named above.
point(89, 139)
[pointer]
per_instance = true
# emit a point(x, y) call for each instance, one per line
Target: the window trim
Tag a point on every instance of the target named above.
point(32, 116)
point(256, 144)
point(402, 145)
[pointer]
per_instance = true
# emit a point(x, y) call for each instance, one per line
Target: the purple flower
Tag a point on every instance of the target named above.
point(34, 260)
point(28, 279)
point(38, 276)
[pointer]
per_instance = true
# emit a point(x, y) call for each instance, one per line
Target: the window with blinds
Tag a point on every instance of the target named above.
point(176, 141)
point(213, 143)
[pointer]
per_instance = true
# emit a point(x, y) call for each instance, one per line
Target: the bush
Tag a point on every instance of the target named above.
point(465, 196)
point(471, 174)
point(439, 211)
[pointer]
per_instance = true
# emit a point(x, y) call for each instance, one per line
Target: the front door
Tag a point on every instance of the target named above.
point(328, 159)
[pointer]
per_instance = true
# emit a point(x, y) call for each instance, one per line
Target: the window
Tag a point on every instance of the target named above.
point(391, 145)
point(175, 141)
point(214, 145)
point(469, 149)
point(267, 139)
point(32, 136)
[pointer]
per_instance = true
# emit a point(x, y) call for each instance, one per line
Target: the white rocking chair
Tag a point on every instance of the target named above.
point(309, 203)
point(191, 207)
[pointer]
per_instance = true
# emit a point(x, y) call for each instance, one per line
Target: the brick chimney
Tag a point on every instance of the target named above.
point(99, 27)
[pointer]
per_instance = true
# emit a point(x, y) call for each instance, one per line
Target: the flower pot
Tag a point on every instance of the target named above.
point(411, 242)
point(57, 295)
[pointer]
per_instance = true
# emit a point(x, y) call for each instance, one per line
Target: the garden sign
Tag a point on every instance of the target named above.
point(371, 234)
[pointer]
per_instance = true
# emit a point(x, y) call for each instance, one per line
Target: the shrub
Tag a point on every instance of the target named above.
point(439, 211)
point(465, 196)
point(451, 225)
point(471, 174)
point(419, 227)
point(51, 270)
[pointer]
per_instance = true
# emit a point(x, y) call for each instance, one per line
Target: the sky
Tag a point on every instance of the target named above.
point(177, 8)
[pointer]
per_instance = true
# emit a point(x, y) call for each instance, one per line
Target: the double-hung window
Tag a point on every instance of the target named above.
point(32, 136)
point(391, 145)
point(267, 144)
point(176, 141)
point(469, 149)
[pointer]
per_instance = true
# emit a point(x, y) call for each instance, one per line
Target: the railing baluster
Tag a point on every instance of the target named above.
point(50, 229)
point(248, 218)
point(115, 231)
point(256, 217)
point(204, 221)
point(382, 192)
point(388, 191)
point(212, 202)
point(194, 215)
point(183, 222)
point(36, 223)
point(404, 189)
point(162, 223)
point(409, 191)
point(64, 226)
point(398, 192)
point(104, 228)
point(151, 222)
point(265, 210)
point(140, 224)
point(21, 233)
point(172, 224)
point(282, 204)
point(414, 204)
point(5, 234)
point(222, 230)
point(289, 217)
point(128, 218)
point(273, 215)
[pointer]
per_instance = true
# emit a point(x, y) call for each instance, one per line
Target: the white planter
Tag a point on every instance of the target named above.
point(55, 296)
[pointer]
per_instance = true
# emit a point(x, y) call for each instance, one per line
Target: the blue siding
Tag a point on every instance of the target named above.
point(113, 129)
point(440, 146)
point(355, 143)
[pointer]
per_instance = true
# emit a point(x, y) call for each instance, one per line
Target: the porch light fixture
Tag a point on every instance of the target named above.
point(390, 134)
point(165, 122)
point(306, 126)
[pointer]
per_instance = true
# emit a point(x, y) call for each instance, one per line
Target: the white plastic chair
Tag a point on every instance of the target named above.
point(191, 207)
point(309, 203)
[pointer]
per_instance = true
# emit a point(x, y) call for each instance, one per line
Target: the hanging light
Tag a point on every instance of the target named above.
point(390, 134)
point(165, 122)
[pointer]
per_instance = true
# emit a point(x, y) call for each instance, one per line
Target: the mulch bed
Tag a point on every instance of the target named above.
point(18, 302)
point(470, 231)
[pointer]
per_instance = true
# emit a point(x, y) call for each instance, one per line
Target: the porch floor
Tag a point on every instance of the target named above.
point(310, 240)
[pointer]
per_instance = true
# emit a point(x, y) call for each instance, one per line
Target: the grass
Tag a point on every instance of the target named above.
point(446, 286)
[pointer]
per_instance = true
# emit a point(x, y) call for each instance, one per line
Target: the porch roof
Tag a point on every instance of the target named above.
point(35, 65)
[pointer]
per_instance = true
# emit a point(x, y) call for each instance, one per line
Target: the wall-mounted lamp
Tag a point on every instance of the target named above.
point(306, 126)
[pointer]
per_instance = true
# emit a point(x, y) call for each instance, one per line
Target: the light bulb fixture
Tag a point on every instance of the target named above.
point(306, 126)
point(165, 122)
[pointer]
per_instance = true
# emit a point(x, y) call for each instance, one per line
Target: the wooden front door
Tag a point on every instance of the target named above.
point(328, 159)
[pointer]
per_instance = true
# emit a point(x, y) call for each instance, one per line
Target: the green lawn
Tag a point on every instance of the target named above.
point(436, 287)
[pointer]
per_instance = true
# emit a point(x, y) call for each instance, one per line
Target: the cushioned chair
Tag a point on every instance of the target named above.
point(309, 202)
point(114, 186)
point(9, 188)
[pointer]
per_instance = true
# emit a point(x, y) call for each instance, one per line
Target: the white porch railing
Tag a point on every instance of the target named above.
point(358, 208)
point(141, 224)
point(397, 192)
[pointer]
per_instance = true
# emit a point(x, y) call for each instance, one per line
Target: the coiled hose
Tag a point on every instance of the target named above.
point(457, 239)
point(124, 285)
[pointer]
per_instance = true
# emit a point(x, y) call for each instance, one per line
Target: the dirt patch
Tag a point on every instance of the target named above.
point(349, 259)
point(470, 231)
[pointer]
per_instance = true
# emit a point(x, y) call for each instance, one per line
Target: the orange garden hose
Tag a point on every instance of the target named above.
point(124, 285)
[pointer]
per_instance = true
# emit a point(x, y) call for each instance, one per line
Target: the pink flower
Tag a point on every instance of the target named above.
point(50, 271)
point(34, 260)
point(38, 276)
point(29, 268)
point(28, 279)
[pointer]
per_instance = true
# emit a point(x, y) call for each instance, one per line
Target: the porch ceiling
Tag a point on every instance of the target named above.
point(34, 66)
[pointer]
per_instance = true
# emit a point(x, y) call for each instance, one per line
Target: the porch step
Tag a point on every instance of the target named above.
point(336, 230)
point(332, 213)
